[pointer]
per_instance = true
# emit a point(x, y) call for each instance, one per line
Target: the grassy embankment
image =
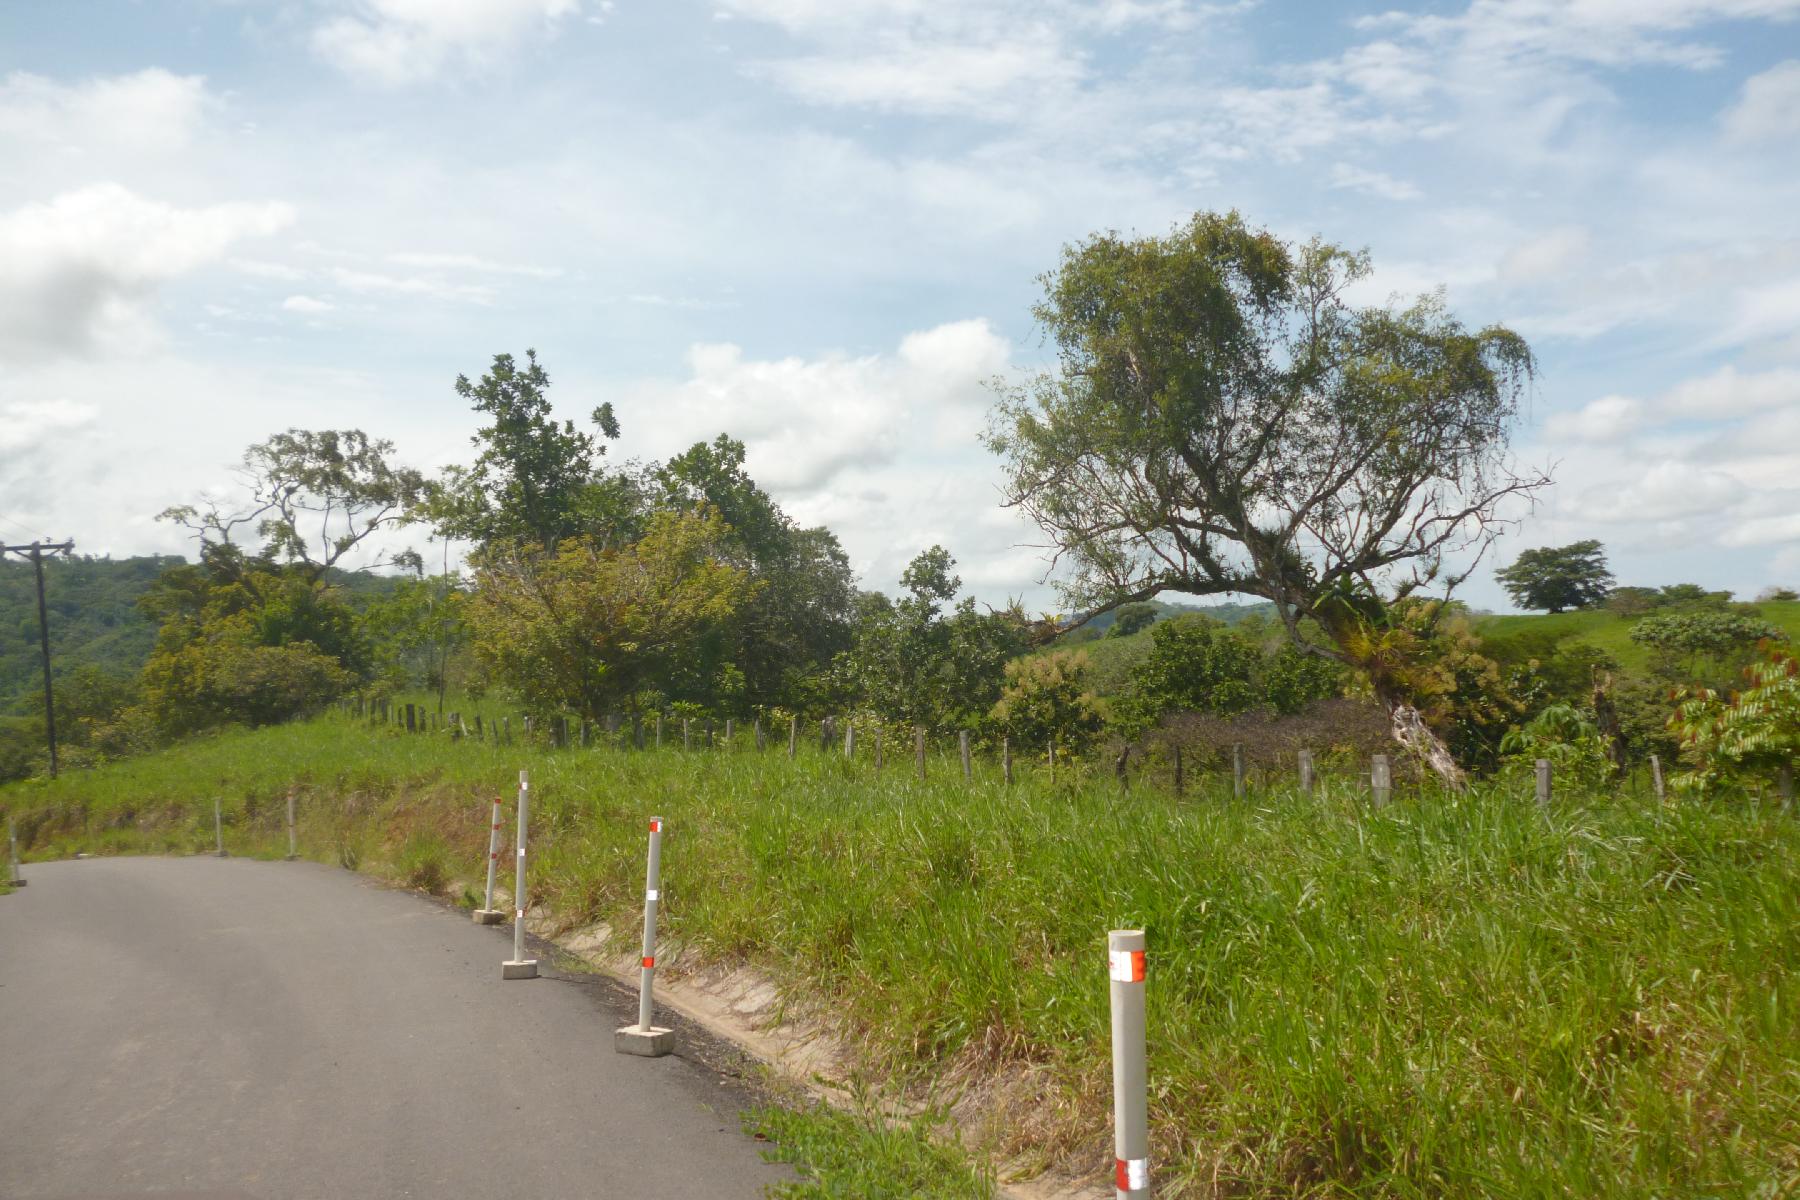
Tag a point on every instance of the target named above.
point(1450, 996)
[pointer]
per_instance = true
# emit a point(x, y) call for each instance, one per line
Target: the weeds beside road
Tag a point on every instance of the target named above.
point(1453, 995)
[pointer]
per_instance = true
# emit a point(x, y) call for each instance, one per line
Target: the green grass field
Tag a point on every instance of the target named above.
point(1451, 996)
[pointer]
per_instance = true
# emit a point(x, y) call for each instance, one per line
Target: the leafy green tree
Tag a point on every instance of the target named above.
point(1195, 665)
point(1633, 601)
point(594, 629)
point(1046, 701)
point(1225, 420)
point(1692, 595)
point(803, 613)
point(922, 662)
point(1557, 578)
point(1131, 618)
point(536, 479)
point(1702, 645)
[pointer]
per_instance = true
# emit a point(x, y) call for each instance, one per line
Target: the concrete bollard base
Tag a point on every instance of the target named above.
point(519, 968)
point(646, 1043)
point(489, 916)
point(20, 882)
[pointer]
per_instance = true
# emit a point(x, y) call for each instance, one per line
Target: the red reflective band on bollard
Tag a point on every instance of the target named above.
point(1126, 966)
point(649, 961)
point(656, 827)
point(1131, 1175)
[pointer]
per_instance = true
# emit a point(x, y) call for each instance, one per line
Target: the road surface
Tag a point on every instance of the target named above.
point(235, 1029)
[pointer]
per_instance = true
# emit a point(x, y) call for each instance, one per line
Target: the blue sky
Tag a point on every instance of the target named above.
point(817, 224)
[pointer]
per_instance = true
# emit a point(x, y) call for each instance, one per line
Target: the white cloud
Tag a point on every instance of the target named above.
point(1768, 109)
point(1728, 392)
point(307, 305)
point(1605, 32)
point(396, 42)
point(81, 268)
point(1372, 183)
point(377, 283)
point(1668, 490)
point(881, 447)
point(147, 112)
point(27, 423)
point(1549, 255)
point(1606, 419)
point(471, 262)
point(931, 78)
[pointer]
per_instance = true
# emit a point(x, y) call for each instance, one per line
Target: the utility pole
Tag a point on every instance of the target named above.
point(36, 552)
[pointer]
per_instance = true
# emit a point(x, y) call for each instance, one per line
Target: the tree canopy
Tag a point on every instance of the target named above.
point(1556, 578)
point(1224, 419)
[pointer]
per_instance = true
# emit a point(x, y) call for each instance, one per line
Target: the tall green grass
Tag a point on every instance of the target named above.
point(1455, 995)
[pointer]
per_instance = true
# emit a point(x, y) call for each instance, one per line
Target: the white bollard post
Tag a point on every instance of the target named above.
point(1131, 1082)
point(1381, 780)
point(293, 839)
point(487, 914)
point(218, 830)
point(645, 1038)
point(12, 850)
point(518, 966)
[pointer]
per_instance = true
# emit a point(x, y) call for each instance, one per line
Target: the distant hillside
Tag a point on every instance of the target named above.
point(94, 619)
point(1231, 614)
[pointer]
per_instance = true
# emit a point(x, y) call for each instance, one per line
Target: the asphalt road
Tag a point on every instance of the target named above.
point(227, 1028)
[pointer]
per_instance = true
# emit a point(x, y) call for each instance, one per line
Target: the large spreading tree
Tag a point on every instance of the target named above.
point(1226, 419)
point(1555, 578)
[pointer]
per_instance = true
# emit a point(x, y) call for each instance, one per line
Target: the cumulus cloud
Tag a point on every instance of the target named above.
point(25, 424)
point(1768, 108)
point(1729, 392)
point(1606, 419)
point(82, 267)
point(397, 42)
point(881, 447)
point(146, 112)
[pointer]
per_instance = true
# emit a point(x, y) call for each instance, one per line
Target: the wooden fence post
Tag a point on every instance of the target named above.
point(849, 739)
point(757, 729)
point(1178, 778)
point(1656, 776)
point(1306, 773)
point(878, 748)
point(687, 734)
point(1006, 759)
point(962, 738)
point(1543, 782)
point(919, 748)
point(793, 734)
point(1237, 771)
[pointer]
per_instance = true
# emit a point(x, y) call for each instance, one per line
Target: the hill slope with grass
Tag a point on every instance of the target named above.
point(1611, 632)
point(1455, 996)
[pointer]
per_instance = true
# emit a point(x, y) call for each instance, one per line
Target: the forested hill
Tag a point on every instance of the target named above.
point(94, 618)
